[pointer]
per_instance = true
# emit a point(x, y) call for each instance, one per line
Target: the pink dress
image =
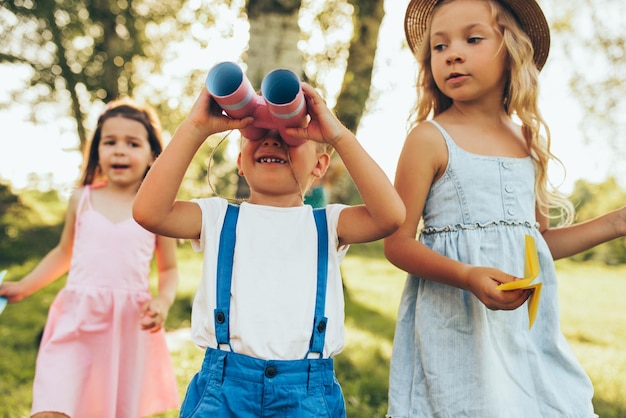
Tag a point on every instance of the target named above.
point(94, 360)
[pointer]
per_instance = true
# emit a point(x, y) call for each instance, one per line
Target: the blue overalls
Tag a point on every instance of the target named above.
point(235, 385)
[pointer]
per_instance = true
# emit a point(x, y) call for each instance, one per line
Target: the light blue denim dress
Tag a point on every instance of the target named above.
point(453, 357)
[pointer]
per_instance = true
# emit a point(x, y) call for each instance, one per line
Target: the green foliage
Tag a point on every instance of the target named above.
point(30, 223)
point(21, 326)
point(343, 190)
point(211, 175)
point(76, 54)
point(87, 53)
point(593, 315)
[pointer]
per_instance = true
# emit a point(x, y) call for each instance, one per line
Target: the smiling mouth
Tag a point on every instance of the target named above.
point(271, 160)
point(119, 166)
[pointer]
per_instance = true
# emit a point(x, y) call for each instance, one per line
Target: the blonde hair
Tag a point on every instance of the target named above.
point(324, 148)
point(520, 98)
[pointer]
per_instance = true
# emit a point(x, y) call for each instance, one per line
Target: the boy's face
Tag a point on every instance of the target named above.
point(277, 173)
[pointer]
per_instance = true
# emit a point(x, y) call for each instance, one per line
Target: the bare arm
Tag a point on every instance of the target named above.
point(54, 265)
point(383, 210)
point(423, 160)
point(573, 239)
point(155, 311)
point(155, 207)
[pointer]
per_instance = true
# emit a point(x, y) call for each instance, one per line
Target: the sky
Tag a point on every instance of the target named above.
point(43, 149)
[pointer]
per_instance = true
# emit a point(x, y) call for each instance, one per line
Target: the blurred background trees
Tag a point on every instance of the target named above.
point(592, 38)
point(76, 55)
point(80, 54)
point(83, 53)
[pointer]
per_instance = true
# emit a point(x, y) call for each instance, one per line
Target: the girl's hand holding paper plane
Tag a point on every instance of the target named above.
point(531, 271)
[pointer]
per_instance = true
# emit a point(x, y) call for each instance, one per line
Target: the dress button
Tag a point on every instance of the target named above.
point(508, 188)
point(271, 372)
point(506, 164)
point(512, 211)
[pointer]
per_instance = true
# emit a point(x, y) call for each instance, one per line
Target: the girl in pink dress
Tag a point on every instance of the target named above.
point(103, 353)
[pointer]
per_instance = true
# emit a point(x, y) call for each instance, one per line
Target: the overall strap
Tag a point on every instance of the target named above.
point(225, 257)
point(225, 270)
point(316, 344)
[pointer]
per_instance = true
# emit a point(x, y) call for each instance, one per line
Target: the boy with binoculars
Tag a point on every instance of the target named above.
point(269, 310)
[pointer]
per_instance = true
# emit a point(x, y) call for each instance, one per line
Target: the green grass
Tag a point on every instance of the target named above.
point(593, 320)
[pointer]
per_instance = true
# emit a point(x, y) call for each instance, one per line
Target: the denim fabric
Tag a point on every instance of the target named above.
point(453, 357)
point(235, 385)
point(240, 386)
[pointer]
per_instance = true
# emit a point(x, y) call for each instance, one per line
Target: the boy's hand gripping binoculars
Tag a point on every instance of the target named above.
point(281, 105)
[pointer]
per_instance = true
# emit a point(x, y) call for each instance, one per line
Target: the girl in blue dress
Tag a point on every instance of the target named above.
point(474, 170)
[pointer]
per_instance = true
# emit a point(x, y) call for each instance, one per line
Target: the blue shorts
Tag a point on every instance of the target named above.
point(235, 385)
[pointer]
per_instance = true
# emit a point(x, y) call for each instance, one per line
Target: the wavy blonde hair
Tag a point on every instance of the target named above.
point(520, 98)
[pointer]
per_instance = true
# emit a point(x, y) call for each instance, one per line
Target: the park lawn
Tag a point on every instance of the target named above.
point(593, 320)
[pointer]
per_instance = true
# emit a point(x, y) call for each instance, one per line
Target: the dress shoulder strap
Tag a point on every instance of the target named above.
point(85, 199)
point(449, 141)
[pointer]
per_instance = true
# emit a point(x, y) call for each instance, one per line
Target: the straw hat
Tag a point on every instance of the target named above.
point(528, 13)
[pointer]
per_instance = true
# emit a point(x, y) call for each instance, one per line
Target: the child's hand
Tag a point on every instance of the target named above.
point(483, 282)
point(13, 291)
point(153, 315)
point(324, 125)
point(207, 116)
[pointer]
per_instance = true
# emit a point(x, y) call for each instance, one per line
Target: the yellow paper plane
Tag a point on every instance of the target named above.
point(531, 271)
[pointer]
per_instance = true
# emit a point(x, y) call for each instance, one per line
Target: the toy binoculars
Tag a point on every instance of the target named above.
point(281, 105)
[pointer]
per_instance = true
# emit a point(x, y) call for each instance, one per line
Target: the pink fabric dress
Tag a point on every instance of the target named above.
point(94, 360)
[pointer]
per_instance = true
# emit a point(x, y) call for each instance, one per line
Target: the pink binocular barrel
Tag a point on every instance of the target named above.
point(282, 104)
point(235, 95)
point(285, 101)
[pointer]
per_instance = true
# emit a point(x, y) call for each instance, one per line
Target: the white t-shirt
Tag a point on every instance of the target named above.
point(274, 281)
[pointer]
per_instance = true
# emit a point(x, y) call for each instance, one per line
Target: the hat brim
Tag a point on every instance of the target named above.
point(527, 12)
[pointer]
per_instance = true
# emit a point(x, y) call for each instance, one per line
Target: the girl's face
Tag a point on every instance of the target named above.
point(468, 57)
point(277, 173)
point(124, 153)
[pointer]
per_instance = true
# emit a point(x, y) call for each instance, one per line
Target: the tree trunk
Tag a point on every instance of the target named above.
point(274, 35)
point(355, 89)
